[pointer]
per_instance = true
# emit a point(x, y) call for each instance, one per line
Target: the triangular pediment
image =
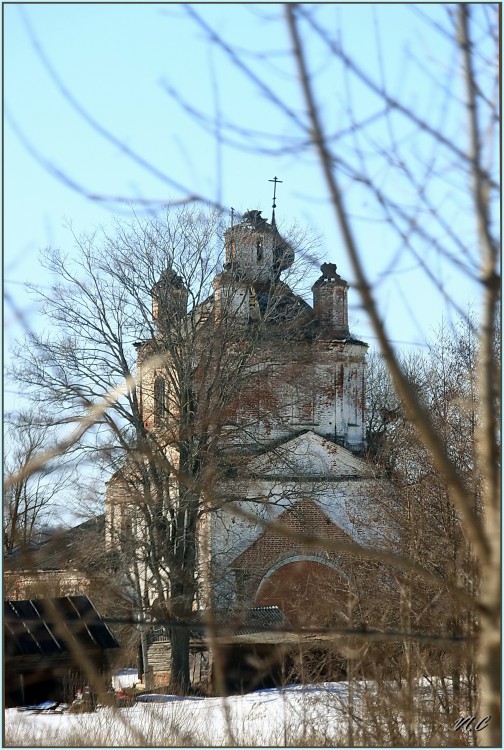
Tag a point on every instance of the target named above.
point(304, 516)
point(308, 456)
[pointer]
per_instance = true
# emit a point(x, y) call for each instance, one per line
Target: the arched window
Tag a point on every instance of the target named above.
point(159, 400)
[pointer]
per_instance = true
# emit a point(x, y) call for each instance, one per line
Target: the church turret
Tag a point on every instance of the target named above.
point(330, 301)
point(255, 250)
point(169, 299)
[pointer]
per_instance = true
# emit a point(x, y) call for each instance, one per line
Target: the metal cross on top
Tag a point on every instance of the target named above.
point(275, 180)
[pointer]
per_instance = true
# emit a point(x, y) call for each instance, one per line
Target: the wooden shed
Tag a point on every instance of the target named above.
point(51, 646)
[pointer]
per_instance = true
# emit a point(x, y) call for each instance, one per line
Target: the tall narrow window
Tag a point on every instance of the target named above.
point(259, 247)
point(159, 400)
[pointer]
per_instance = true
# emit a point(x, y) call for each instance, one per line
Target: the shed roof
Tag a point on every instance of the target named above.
point(48, 626)
point(259, 619)
point(230, 624)
point(63, 549)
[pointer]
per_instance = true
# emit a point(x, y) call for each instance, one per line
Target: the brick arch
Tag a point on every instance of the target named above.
point(311, 591)
point(298, 558)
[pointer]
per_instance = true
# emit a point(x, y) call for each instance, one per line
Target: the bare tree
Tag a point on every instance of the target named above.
point(28, 503)
point(159, 286)
point(476, 162)
point(429, 530)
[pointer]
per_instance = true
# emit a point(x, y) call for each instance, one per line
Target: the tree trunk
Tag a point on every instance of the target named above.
point(180, 682)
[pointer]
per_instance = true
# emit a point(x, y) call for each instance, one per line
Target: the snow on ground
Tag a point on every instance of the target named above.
point(296, 715)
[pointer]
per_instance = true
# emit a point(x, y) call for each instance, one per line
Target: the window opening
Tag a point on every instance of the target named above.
point(159, 400)
point(259, 248)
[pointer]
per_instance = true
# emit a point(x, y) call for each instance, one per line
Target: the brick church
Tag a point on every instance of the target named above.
point(296, 436)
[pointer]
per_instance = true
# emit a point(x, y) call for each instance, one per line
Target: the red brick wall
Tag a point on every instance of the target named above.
point(303, 517)
point(296, 585)
point(308, 592)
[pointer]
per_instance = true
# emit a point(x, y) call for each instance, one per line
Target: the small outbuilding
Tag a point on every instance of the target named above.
point(52, 648)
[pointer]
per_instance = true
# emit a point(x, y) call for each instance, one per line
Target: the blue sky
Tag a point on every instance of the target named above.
point(119, 61)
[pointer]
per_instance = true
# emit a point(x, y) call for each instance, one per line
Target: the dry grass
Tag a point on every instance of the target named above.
point(371, 714)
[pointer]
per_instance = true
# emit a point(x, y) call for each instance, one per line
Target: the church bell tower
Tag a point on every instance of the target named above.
point(255, 250)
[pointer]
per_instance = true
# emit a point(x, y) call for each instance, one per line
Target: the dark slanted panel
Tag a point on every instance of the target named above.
point(26, 632)
point(39, 625)
point(41, 637)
